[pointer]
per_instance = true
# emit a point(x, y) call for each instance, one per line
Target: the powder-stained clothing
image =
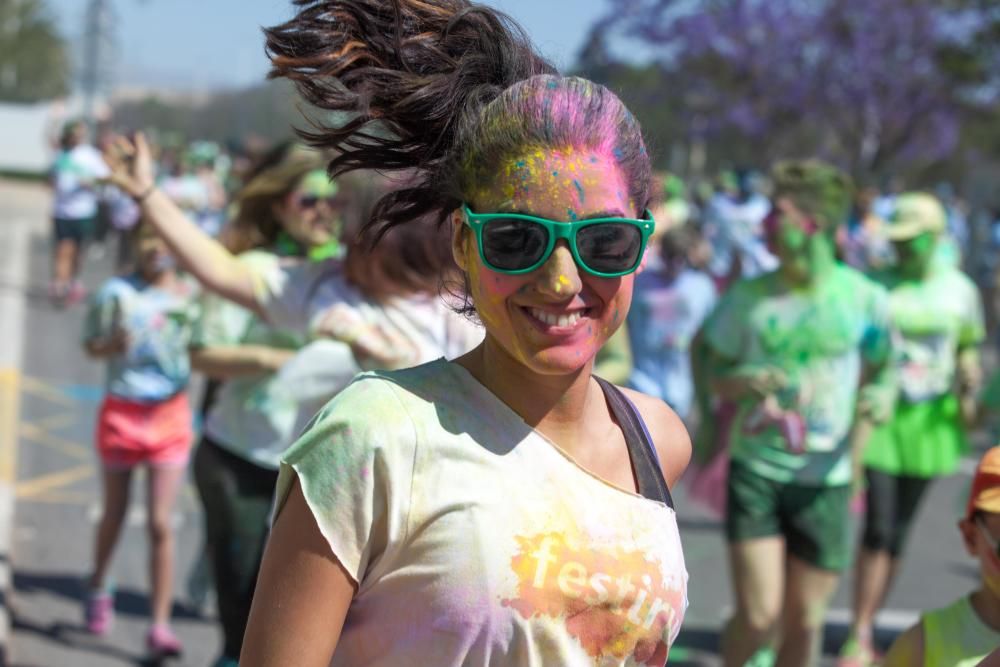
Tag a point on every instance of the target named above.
point(503, 549)
point(664, 317)
point(300, 296)
point(74, 179)
point(158, 323)
point(932, 319)
point(819, 338)
point(955, 636)
point(253, 416)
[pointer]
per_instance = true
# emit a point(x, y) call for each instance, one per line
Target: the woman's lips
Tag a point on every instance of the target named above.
point(565, 321)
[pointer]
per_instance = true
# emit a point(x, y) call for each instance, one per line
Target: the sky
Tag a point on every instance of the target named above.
point(205, 44)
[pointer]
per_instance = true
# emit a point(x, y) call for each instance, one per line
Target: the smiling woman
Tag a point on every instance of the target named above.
point(506, 508)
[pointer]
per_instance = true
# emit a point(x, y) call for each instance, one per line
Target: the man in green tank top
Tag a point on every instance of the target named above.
point(964, 633)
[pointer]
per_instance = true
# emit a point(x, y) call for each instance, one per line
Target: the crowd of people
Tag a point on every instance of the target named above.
point(455, 349)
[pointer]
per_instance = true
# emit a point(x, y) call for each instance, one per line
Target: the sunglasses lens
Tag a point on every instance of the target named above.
point(609, 247)
point(510, 244)
point(308, 201)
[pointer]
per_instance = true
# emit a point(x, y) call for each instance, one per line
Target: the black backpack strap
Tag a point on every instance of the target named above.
point(645, 463)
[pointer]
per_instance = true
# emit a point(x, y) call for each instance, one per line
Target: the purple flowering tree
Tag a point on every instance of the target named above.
point(863, 82)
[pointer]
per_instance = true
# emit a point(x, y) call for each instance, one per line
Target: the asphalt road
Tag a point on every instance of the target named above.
point(58, 493)
point(57, 505)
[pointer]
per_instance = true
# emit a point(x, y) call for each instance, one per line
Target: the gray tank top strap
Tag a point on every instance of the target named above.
point(641, 452)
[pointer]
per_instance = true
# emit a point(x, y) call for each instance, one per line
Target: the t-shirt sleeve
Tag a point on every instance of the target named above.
point(972, 329)
point(354, 463)
point(726, 328)
point(282, 291)
point(222, 322)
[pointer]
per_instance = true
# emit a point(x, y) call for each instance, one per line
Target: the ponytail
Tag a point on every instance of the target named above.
point(443, 87)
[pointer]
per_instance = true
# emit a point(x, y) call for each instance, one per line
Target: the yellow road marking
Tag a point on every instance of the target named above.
point(31, 431)
point(61, 498)
point(56, 422)
point(43, 389)
point(40, 485)
point(10, 408)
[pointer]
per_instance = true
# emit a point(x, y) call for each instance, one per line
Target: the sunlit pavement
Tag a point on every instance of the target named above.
point(58, 492)
point(57, 505)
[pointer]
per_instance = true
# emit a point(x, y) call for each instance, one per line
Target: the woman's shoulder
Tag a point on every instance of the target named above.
point(382, 396)
point(670, 436)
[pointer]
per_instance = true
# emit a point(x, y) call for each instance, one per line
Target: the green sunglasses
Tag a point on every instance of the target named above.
point(514, 243)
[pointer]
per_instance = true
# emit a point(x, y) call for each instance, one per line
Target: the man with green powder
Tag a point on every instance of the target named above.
point(938, 314)
point(803, 353)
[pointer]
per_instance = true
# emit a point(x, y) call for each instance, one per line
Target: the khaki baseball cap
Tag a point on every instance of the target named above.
point(916, 213)
point(985, 493)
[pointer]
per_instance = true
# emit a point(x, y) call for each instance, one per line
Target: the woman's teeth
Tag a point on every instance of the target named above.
point(554, 320)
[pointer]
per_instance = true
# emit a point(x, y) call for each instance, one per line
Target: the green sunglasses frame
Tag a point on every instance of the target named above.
point(558, 230)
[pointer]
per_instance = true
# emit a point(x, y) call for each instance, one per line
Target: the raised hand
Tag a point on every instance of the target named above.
point(131, 164)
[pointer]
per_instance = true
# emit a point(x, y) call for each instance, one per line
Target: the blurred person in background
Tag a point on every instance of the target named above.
point(966, 633)
point(76, 180)
point(864, 244)
point(140, 324)
point(286, 211)
point(803, 352)
point(733, 222)
point(192, 184)
point(669, 304)
point(937, 315)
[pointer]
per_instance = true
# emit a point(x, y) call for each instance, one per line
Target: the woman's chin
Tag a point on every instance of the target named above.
point(560, 361)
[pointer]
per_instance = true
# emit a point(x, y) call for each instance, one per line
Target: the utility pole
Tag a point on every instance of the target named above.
point(98, 45)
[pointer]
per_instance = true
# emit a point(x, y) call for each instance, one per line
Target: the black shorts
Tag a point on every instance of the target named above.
point(79, 230)
point(813, 520)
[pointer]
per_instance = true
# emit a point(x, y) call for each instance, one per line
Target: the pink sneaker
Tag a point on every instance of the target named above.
point(99, 613)
point(162, 642)
point(77, 293)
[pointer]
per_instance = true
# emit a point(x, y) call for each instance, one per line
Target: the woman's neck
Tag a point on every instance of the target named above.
point(987, 608)
point(554, 404)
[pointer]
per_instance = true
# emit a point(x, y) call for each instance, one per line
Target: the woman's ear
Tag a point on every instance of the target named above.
point(459, 240)
point(969, 532)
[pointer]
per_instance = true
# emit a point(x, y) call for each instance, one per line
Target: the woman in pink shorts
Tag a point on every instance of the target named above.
point(140, 325)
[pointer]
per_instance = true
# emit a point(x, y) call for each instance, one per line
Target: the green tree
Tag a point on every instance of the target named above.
point(34, 63)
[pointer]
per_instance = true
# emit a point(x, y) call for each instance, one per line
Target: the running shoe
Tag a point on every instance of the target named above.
point(856, 653)
point(76, 294)
point(162, 642)
point(58, 292)
point(99, 612)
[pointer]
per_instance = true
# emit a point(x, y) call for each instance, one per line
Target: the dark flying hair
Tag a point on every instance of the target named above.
point(447, 88)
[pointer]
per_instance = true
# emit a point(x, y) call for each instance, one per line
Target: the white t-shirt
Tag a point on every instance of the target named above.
point(475, 540)
point(300, 296)
point(253, 416)
point(74, 177)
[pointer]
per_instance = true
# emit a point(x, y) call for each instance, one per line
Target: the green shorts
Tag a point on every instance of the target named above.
point(814, 520)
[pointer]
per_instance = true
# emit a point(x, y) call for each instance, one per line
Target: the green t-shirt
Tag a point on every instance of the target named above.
point(254, 416)
point(932, 318)
point(819, 338)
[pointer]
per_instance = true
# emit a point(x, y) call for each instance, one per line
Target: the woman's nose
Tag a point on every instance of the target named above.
point(559, 276)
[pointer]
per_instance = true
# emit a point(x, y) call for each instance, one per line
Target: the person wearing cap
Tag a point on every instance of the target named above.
point(804, 353)
point(937, 314)
point(966, 632)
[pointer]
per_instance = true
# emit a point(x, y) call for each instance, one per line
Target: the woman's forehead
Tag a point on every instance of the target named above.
point(559, 184)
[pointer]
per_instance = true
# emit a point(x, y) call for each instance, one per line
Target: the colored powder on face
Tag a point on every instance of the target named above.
point(571, 214)
point(579, 190)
